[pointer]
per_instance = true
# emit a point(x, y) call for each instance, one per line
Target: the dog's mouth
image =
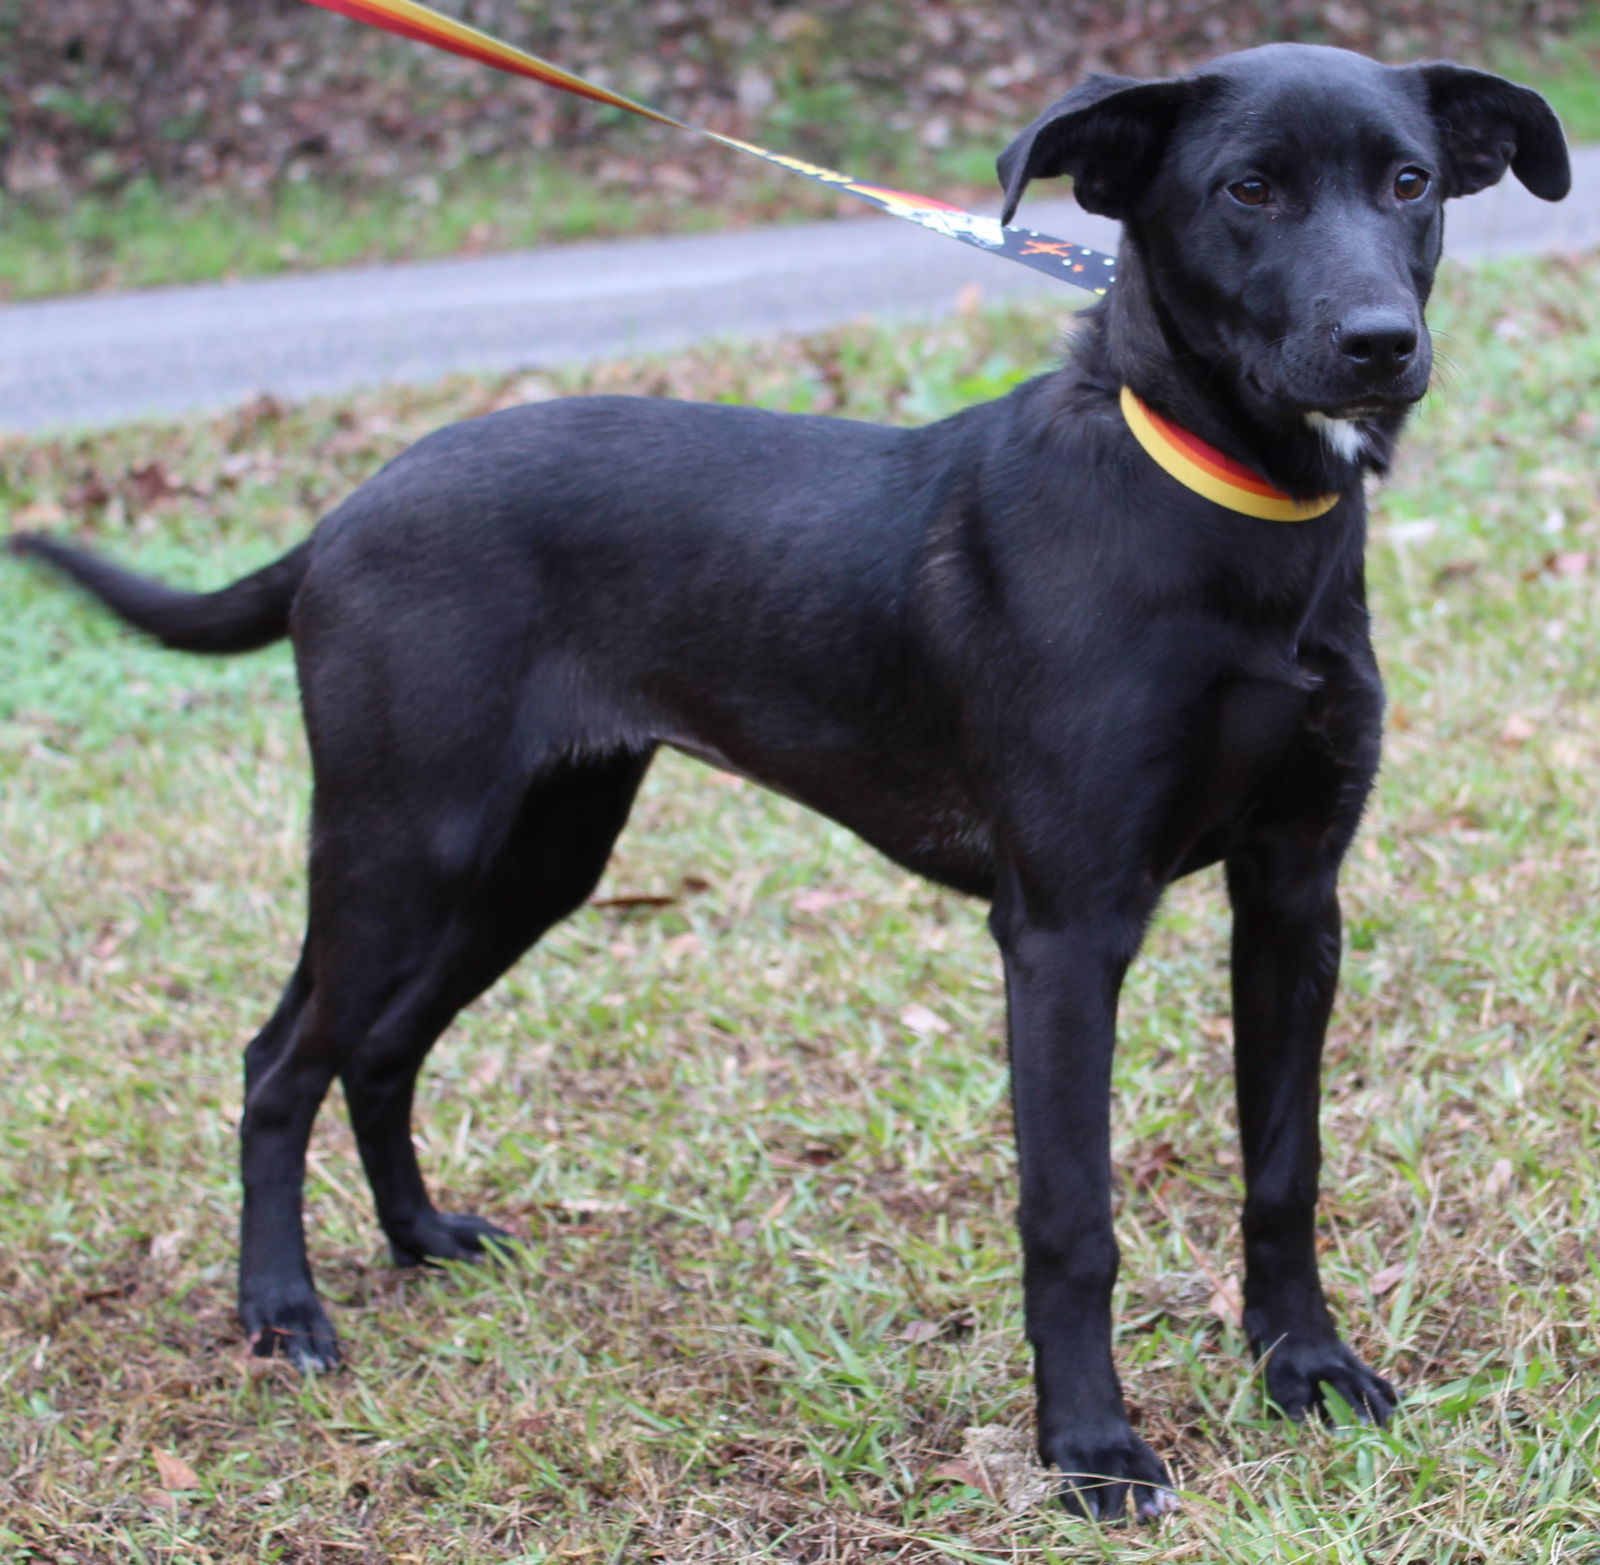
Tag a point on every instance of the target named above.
point(1358, 412)
point(1286, 403)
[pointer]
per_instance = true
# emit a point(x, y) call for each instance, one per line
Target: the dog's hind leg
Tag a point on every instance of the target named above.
point(284, 1086)
point(403, 933)
point(548, 866)
point(283, 1316)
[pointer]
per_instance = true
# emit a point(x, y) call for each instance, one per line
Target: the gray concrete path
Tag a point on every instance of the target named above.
point(108, 359)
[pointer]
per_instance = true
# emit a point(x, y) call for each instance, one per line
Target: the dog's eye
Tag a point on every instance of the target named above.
point(1411, 184)
point(1250, 192)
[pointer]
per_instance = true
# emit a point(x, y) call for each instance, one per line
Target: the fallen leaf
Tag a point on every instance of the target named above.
point(1568, 562)
point(263, 409)
point(920, 1331)
point(1381, 1282)
point(122, 1290)
point(593, 1207)
point(816, 1155)
point(1150, 1163)
point(88, 494)
point(820, 898)
point(487, 1071)
point(1499, 1178)
point(1227, 1302)
point(1517, 730)
point(922, 1021)
point(635, 899)
point(41, 513)
point(173, 1471)
point(150, 483)
point(1453, 571)
point(957, 1470)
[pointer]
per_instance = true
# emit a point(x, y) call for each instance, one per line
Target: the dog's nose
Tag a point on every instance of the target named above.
point(1377, 342)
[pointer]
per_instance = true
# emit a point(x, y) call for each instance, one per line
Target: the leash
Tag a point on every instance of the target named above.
point(1184, 456)
point(1091, 270)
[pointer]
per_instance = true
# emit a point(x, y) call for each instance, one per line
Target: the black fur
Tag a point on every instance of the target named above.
point(1006, 649)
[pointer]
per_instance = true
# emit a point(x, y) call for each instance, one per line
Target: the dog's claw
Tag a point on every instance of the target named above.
point(1101, 1479)
point(1299, 1375)
point(294, 1329)
point(1152, 1504)
point(447, 1236)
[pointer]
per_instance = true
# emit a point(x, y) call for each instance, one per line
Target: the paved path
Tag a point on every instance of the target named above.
point(108, 359)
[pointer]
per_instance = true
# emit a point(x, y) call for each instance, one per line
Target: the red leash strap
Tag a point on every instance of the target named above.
point(1076, 264)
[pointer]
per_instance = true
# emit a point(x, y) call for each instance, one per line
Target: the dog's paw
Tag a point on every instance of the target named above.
point(1103, 1476)
point(1301, 1373)
point(446, 1236)
point(292, 1326)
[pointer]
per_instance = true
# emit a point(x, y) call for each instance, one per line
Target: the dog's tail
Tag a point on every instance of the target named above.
point(253, 612)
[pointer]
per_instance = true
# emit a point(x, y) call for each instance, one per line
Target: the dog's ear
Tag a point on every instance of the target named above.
point(1107, 133)
point(1487, 123)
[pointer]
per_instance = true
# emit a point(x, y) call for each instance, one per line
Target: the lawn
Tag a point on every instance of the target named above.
point(748, 1111)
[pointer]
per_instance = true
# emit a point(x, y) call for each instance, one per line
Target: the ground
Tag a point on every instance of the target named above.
point(747, 1112)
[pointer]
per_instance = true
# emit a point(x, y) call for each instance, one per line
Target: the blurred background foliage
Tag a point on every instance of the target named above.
point(100, 95)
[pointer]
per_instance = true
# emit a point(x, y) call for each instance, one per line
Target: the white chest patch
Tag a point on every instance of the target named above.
point(1342, 436)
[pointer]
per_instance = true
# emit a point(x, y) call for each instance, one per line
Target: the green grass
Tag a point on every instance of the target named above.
point(744, 1162)
point(1566, 70)
point(145, 236)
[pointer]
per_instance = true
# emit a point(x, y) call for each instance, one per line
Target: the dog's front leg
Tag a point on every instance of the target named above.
point(1061, 986)
point(1286, 944)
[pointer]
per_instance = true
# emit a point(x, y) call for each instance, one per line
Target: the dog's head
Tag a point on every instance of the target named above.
point(1286, 204)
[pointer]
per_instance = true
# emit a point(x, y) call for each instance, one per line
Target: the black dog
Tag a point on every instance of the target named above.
point(1047, 652)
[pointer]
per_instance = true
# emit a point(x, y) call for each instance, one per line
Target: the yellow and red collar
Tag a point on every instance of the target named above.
point(1209, 472)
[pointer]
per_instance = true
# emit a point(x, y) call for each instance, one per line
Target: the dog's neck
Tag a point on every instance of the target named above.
point(1134, 340)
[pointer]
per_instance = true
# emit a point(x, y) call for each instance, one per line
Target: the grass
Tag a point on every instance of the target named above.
point(756, 1139)
point(144, 236)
